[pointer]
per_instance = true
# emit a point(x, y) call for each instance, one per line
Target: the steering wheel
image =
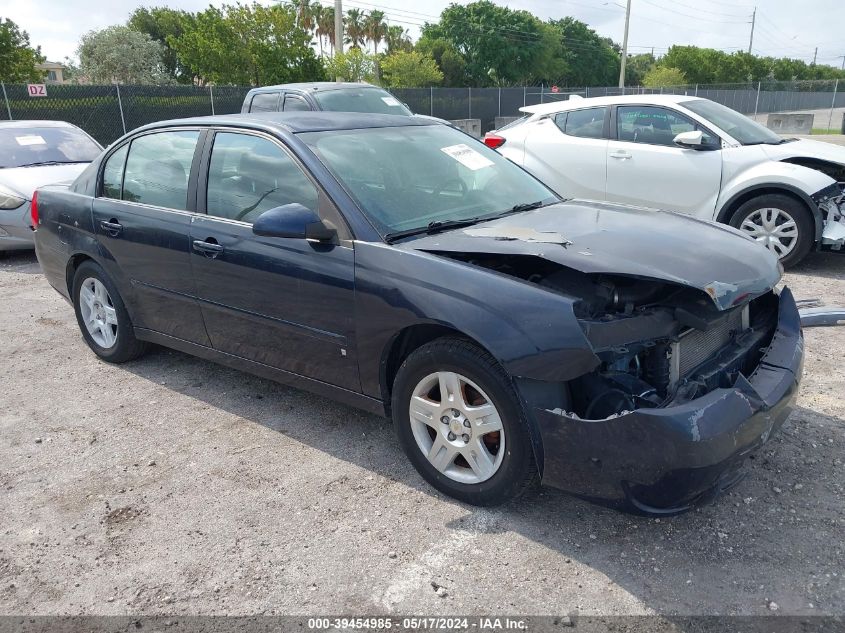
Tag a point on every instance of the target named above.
point(443, 185)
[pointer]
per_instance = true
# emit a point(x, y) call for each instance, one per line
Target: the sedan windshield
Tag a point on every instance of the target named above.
point(425, 177)
point(360, 100)
point(743, 129)
point(32, 146)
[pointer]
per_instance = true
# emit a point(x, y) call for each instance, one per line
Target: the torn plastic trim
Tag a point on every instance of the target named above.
point(822, 316)
point(831, 203)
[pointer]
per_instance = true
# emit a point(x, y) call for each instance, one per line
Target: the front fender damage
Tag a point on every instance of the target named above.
point(663, 460)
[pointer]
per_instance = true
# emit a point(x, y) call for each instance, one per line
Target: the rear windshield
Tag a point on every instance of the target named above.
point(31, 146)
point(360, 100)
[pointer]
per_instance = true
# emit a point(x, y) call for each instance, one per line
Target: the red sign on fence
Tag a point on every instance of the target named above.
point(36, 90)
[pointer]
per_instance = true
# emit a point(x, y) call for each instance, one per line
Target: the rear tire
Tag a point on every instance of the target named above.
point(102, 316)
point(781, 223)
point(482, 454)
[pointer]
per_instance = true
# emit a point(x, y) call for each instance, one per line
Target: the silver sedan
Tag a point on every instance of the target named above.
point(33, 154)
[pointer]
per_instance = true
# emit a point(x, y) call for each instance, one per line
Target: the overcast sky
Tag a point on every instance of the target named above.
point(783, 29)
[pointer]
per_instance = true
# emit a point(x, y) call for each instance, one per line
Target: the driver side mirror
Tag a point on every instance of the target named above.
point(692, 140)
point(297, 222)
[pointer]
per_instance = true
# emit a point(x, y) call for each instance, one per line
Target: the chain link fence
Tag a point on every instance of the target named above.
point(106, 112)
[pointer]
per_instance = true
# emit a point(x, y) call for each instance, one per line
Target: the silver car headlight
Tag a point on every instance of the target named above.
point(9, 199)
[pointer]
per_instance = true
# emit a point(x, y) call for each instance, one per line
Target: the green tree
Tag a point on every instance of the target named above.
point(410, 70)
point(118, 54)
point(499, 45)
point(353, 65)
point(375, 28)
point(397, 39)
point(325, 26)
point(18, 57)
point(636, 68)
point(248, 44)
point(663, 76)
point(355, 28)
point(449, 61)
point(161, 23)
point(591, 60)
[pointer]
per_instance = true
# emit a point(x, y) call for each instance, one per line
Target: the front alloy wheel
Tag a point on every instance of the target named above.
point(457, 427)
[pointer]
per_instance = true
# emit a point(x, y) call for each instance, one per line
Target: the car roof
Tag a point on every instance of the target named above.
point(581, 102)
point(315, 86)
point(296, 122)
point(34, 123)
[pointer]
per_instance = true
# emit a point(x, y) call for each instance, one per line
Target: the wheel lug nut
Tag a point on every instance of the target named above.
point(466, 423)
point(451, 437)
point(465, 437)
point(444, 420)
point(455, 413)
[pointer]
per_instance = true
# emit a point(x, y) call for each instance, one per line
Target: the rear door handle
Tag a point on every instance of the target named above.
point(209, 249)
point(620, 154)
point(112, 227)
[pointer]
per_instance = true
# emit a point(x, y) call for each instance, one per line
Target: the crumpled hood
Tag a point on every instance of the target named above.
point(594, 237)
point(25, 180)
point(806, 148)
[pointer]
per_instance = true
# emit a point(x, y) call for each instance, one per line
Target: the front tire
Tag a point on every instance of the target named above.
point(781, 223)
point(102, 316)
point(460, 422)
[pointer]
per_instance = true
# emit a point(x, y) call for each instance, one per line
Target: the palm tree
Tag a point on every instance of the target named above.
point(304, 14)
point(316, 16)
point(397, 39)
point(355, 28)
point(375, 28)
point(325, 26)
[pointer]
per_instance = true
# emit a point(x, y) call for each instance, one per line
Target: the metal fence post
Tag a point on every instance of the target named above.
point(500, 101)
point(211, 96)
point(431, 100)
point(757, 101)
point(696, 90)
point(832, 105)
point(524, 96)
point(6, 97)
point(469, 101)
point(120, 106)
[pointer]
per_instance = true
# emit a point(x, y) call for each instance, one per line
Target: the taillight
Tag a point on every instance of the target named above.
point(493, 141)
point(33, 209)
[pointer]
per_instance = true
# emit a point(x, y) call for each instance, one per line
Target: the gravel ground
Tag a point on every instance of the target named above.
point(175, 486)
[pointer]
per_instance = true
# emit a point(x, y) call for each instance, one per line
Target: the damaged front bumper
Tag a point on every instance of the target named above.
point(665, 460)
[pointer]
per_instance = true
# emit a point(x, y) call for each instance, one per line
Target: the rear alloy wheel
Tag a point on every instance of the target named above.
point(779, 223)
point(461, 423)
point(102, 316)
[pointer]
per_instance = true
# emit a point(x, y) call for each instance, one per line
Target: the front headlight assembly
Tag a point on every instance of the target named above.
point(9, 199)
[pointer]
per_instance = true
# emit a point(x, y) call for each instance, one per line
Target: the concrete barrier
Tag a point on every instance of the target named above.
point(470, 126)
point(790, 122)
point(502, 121)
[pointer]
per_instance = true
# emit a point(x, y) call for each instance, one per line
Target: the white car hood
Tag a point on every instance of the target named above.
point(808, 149)
point(25, 180)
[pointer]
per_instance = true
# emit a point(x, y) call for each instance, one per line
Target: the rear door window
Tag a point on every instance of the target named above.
point(588, 123)
point(265, 102)
point(293, 103)
point(158, 168)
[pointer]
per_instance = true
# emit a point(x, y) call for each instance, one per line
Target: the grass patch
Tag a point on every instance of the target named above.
point(825, 130)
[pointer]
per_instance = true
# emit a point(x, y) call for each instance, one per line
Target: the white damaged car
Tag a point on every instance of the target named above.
point(689, 155)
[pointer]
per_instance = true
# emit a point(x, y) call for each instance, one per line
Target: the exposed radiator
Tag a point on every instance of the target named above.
point(696, 347)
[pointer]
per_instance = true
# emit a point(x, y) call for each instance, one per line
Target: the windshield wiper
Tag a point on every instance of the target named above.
point(55, 162)
point(433, 227)
point(526, 206)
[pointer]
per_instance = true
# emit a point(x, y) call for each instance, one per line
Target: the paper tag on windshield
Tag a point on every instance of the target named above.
point(467, 156)
point(32, 139)
point(391, 101)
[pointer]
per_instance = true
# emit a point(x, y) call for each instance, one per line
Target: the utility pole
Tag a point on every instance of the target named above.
point(338, 30)
point(625, 46)
point(815, 54)
point(753, 20)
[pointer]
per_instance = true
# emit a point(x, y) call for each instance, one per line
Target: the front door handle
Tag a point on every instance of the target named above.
point(620, 154)
point(112, 227)
point(209, 249)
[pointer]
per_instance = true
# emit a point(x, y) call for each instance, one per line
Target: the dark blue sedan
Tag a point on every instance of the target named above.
point(627, 356)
